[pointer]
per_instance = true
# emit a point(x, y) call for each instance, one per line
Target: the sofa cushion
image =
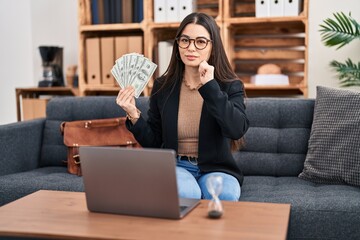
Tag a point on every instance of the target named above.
point(14, 186)
point(318, 211)
point(276, 142)
point(334, 146)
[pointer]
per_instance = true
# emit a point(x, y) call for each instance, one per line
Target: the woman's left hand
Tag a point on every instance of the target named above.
point(206, 72)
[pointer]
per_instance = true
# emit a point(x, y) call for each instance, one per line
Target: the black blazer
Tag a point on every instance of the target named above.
point(222, 118)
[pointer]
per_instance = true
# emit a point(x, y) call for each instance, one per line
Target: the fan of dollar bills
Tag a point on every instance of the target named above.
point(135, 70)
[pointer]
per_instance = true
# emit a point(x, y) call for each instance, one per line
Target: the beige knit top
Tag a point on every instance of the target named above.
point(190, 106)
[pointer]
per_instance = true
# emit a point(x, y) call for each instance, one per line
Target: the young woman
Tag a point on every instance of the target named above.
point(196, 108)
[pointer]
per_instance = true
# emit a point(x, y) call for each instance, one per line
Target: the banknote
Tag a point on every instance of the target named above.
point(133, 69)
point(133, 58)
point(116, 76)
point(119, 69)
point(143, 76)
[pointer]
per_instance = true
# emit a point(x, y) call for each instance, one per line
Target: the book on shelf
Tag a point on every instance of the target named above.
point(116, 11)
point(101, 11)
point(94, 12)
point(270, 79)
point(107, 11)
point(127, 11)
point(138, 11)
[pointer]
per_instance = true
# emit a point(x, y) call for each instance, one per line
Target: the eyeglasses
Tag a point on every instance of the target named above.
point(199, 42)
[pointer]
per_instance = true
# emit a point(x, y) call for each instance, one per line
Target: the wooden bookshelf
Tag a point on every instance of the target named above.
point(249, 42)
point(34, 94)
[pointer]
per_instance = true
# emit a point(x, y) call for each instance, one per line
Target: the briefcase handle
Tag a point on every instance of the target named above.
point(102, 123)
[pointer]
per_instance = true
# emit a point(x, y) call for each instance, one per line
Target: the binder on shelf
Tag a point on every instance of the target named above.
point(164, 55)
point(118, 11)
point(159, 10)
point(93, 65)
point(138, 11)
point(121, 46)
point(107, 60)
point(185, 8)
point(94, 12)
point(276, 8)
point(127, 11)
point(128, 44)
point(101, 11)
point(262, 8)
point(107, 11)
point(172, 11)
point(292, 7)
point(120, 49)
point(270, 79)
point(135, 44)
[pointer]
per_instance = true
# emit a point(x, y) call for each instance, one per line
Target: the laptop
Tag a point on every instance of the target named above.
point(133, 181)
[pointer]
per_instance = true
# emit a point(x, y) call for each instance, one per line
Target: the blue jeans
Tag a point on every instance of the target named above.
point(192, 183)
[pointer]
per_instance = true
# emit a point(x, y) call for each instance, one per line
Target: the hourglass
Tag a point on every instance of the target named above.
point(214, 185)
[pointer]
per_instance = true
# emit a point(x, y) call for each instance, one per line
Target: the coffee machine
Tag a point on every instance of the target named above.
point(52, 63)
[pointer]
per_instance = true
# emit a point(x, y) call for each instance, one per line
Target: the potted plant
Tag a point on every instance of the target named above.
point(339, 32)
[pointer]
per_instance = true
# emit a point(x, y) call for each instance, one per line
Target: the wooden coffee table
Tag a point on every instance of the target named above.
point(64, 215)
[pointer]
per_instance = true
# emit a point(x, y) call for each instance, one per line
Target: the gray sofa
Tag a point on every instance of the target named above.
point(32, 155)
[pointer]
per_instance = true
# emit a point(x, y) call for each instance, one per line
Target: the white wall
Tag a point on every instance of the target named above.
point(16, 58)
point(54, 23)
point(24, 25)
point(319, 71)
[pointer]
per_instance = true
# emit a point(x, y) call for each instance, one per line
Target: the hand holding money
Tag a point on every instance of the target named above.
point(126, 101)
point(134, 70)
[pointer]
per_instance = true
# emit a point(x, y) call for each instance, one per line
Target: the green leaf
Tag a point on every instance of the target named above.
point(348, 73)
point(339, 31)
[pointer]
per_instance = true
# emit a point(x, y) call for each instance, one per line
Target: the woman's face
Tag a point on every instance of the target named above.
point(196, 35)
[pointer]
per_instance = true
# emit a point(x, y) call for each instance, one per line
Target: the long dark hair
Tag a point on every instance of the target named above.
point(222, 68)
